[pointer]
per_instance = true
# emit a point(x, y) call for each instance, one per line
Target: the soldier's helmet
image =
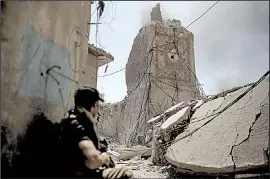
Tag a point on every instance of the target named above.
point(86, 96)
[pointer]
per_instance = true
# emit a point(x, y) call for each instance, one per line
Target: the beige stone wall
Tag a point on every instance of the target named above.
point(35, 36)
point(89, 72)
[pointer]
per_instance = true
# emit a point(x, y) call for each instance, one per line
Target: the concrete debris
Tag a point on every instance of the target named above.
point(233, 141)
point(143, 169)
point(207, 109)
point(251, 176)
point(174, 109)
point(136, 158)
point(224, 93)
point(198, 104)
point(149, 144)
point(149, 136)
point(168, 112)
point(147, 154)
point(251, 152)
point(176, 118)
point(155, 119)
point(137, 150)
point(164, 168)
point(141, 139)
point(192, 103)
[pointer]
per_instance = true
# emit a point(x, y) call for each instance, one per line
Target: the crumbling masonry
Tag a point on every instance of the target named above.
point(160, 73)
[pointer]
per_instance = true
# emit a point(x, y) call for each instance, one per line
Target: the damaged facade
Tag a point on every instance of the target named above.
point(42, 47)
point(95, 59)
point(160, 73)
point(45, 56)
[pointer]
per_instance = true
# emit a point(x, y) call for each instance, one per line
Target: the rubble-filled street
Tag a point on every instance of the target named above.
point(141, 166)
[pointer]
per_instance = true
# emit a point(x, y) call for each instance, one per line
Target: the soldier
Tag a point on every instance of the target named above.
point(80, 147)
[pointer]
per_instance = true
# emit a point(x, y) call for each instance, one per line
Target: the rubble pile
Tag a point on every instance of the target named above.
point(142, 168)
point(212, 142)
point(206, 137)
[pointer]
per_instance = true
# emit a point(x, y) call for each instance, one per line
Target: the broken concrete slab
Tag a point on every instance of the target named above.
point(207, 109)
point(172, 110)
point(176, 118)
point(230, 97)
point(192, 103)
point(206, 148)
point(197, 105)
point(155, 119)
point(247, 156)
point(224, 93)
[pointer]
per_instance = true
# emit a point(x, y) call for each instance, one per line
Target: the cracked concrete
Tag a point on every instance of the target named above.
point(234, 140)
point(198, 104)
point(246, 155)
point(176, 118)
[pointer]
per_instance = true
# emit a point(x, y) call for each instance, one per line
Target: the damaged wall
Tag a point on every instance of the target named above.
point(35, 37)
point(89, 71)
point(96, 58)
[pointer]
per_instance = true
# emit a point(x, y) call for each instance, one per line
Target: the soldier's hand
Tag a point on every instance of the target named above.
point(116, 173)
point(106, 159)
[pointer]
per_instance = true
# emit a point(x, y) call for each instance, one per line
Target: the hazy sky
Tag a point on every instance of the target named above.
point(231, 40)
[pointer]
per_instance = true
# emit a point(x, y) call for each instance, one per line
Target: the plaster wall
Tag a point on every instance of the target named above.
point(37, 35)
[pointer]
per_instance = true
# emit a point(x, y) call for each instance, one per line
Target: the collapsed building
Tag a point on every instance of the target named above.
point(160, 73)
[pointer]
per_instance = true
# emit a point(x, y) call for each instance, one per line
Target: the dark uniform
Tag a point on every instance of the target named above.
point(51, 150)
point(77, 127)
point(74, 129)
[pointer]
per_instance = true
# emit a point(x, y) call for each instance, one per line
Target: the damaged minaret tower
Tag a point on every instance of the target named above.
point(160, 73)
point(166, 50)
point(161, 69)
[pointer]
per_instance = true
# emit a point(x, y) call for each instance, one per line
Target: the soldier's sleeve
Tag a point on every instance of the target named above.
point(78, 131)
